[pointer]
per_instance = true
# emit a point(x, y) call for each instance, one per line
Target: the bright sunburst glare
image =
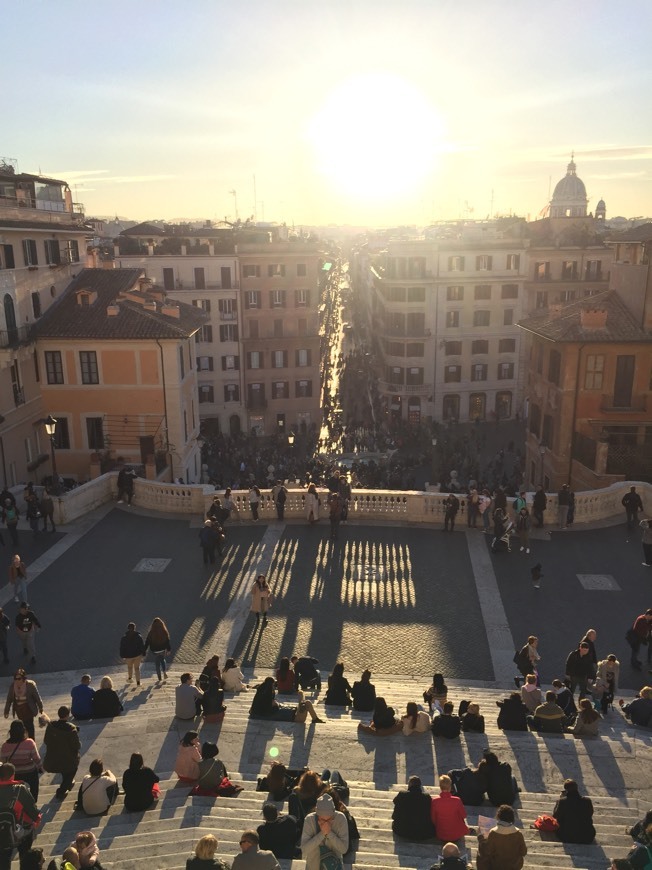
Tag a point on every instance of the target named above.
point(376, 136)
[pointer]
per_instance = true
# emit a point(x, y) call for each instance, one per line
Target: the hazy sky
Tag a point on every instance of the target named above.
point(346, 111)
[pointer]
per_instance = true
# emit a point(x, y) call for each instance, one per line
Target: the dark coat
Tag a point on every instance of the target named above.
point(498, 782)
point(280, 837)
point(131, 645)
point(364, 696)
point(411, 815)
point(575, 817)
point(106, 704)
point(579, 667)
point(513, 715)
point(468, 785)
point(446, 726)
point(62, 746)
point(338, 693)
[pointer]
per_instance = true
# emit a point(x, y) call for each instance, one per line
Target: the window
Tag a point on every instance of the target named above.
point(480, 345)
point(205, 333)
point(416, 323)
point(593, 270)
point(416, 267)
point(456, 264)
point(253, 329)
point(71, 252)
point(231, 393)
point(452, 348)
point(251, 271)
point(200, 278)
point(254, 359)
point(303, 358)
point(206, 394)
point(452, 319)
point(228, 332)
point(303, 389)
point(566, 295)
point(53, 367)
point(181, 366)
point(481, 318)
point(301, 298)
point(542, 271)
point(535, 420)
point(204, 304)
point(414, 376)
point(455, 294)
point(52, 252)
point(252, 299)
point(279, 359)
point(452, 374)
point(507, 345)
point(7, 261)
point(395, 375)
point(416, 294)
point(569, 270)
point(276, 270)
point(594, 372)
point(505, 371)
point(88, 366)
point(302, 328)
point(482, 291)
point(415, 348)
point(278, 329)
point(503, 405)
point(228, 309)
point(483, 262)
point(395, 294)
point(302, 270)
point(513, 262)
point(554, 367)
point(95, 433)
point(61, 434)
point(18, 391)
point(508, 317)
point(451, 407)
point(230, 363)
point(547, 431)
point(30, 254)
point(205, 363)
point(280, 390)
point(541, 299)
point(36, 303)
point(479, 372)
point(509, 291)
point(168, 279)
point(395, 348)
point(277, 298)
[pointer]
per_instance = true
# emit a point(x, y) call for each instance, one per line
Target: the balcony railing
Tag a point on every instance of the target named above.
point(407, 389)
point(16, 337)
point(228, 316)
point(19, 395)
point(637, 403)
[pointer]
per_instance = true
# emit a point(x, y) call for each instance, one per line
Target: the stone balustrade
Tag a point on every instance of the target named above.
point(366, 504)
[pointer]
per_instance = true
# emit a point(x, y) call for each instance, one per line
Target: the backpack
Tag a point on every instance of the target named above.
point(10, 831)
point(546, 824)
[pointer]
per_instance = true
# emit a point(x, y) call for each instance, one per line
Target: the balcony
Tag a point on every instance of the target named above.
point(21, 335)
point(637, 404)
point(228, 316)
point(19, 396)
point(405, 389)
point(43, 212)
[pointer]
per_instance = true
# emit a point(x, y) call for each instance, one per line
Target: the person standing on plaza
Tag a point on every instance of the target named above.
point(312, 504)
point(10, 519)
point(46, 505)
point(254, 501)
point(563, 502)
point(5, 625)
point(451, 507)
point(27, 625)
point(132, 650)
point(210, 539)
point(640, 634)
point(590, 638)
point(345, 495)
point(126, 485)
point(518, 504)
point(632, 503)
point(33, 512)
point(523, 529)
point(473, 502)
point(18, 578)
point(261, 598)
point(579, 668)
point(279, 496)
point(158, 640)
point(485, 509)
point(539, 505)
point(229, 506)
point(334, 514)
point(62, 747)
point(646, 541)
point(23, 700)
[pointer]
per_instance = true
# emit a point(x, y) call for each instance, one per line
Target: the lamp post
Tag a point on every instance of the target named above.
point(50, 428)
point(542, 451)
point(291, 439)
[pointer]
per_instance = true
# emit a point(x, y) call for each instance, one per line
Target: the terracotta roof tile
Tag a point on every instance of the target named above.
point(621, 325)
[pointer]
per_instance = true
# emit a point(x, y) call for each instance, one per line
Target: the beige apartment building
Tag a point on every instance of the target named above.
point(43, 240)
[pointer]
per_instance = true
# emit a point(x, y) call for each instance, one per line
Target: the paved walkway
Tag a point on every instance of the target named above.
point(397, 599)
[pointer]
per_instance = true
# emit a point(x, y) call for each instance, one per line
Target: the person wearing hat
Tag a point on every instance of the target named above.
point(325, 833)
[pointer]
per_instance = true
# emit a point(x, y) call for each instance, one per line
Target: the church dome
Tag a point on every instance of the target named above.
point(569, 198)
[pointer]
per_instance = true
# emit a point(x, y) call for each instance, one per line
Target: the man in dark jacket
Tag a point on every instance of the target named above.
point(126, 484)
point(641, 634)
point(451, 507)
point(447, 724)
point(564, 501)
point(632, 504)
point(279, 834)
point(62, 747)
point(548, 718)
point(539, 505)
point(16, 797)
point(411, 816)
point(307, 675)
point(132, 650)
point(513, 713)
point(579, 668)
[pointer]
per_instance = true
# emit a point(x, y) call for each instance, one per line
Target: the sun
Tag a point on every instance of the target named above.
point(376, 136)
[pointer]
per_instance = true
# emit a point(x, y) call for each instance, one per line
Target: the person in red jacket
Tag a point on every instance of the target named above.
point(449, 816)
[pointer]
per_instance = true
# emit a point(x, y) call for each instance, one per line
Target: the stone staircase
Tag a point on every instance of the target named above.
point(613, 770)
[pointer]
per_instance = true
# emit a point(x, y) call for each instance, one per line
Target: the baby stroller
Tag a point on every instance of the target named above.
point(502, 532)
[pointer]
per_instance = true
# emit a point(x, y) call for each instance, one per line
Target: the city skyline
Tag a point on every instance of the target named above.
point(353, 113)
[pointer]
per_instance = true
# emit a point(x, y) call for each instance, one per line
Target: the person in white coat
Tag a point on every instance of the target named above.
point(324, 831)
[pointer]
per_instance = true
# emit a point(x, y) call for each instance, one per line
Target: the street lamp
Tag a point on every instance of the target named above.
point(51, 427)
point(291, 439)
point(542, 451)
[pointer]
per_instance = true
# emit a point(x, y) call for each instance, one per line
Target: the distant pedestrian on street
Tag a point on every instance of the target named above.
point(646, 541)
point(579, 669)
point(47, 509)
point(563, 501)
point(261, 598)
point(334, 514)
point(518, 504)
point(132, 650)
point(158, 641)
point(5, 625)
point(536, 573)
point(10, 516)
point(254, 501)
point(633, 505)
point(126, 485)
point(210, 539)
point(312, 504)
point(24, 701)
point(451, 507)
point(640, 634)
point(539, 505)
point(280, 496)
point(229, 506)
point(27, 625)
point(33, 512)
point(523, 529)
point(345, 495)
point(590, 638)
point(18, 578)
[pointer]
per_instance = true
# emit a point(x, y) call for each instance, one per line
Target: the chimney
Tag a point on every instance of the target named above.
point(150, 305)
point(112, 310)
point(593, 318)
point(171, 310)
point(554, 310)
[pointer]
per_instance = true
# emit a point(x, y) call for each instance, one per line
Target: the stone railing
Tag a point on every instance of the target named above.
point(366, 504)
